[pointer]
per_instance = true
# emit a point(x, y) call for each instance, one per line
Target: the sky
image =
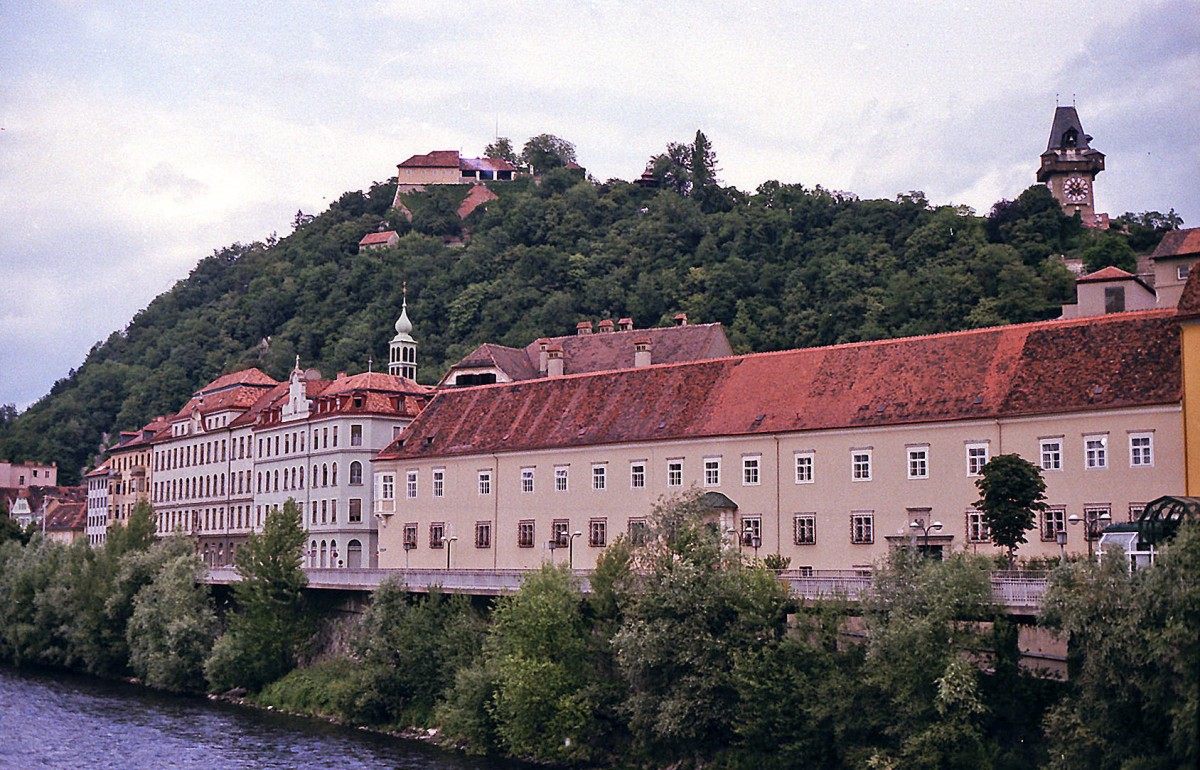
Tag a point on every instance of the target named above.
point(138, 138)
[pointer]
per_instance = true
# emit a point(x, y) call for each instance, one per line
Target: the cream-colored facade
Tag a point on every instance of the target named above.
point(826, 499)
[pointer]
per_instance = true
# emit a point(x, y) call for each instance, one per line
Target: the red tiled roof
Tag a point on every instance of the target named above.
point(67, 517)
point(99, 471)
point(374, 239)
point(1109, 273)
point(1178, 243)
point(435, 159)
point(251, 377)
point(374, 381)
point(486, 164)
point(604, 351)
point(478, 196)
point(237, 390)
point(1116, 360)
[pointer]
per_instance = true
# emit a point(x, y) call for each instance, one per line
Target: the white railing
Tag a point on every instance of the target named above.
point(1014, 593)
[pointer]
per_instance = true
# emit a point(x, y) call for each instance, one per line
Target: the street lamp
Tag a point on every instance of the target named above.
point(449, 542)
point(1091, 524)
point(918, 525)
point(553, 545)
point(571, 550)
point(1061, 538)
point(408, 546)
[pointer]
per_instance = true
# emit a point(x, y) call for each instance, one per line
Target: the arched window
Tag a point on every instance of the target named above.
point(324, 556)
point(356, 472)
point(276, 479)
point(334, 556)
point(354, 554)
point(324, 475)
point(312, 554)
point(302, 474)
point(334, 483)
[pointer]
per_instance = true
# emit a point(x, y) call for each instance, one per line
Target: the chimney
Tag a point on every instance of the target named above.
point(625, 325)
point(542, 343)
point(641, 353)
point(606, 326)
point(555, 364)
point(583, 327)
point(341, 375)
point(681, 319)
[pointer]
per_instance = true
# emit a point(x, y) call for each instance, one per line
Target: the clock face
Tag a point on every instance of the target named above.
point(1075, 189)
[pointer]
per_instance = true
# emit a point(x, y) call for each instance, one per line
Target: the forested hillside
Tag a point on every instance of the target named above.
point(784, 266)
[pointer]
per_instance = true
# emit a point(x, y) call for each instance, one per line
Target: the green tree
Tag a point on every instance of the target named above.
point(1134, 691)
point(546, 152)
point(692, 607)
point(1012, 494)
point(272, 621)
point(1110, 249)
point(172, 628)
point(502, 149)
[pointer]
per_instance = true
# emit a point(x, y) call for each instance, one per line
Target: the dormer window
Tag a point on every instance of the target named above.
point(1070, 138)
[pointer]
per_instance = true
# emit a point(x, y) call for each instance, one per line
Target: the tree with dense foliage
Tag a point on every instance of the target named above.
point(502, 149)
point(272, 618)
point(1012, 493)
point(546, 152)
point(1133, 697)
point(171, 630)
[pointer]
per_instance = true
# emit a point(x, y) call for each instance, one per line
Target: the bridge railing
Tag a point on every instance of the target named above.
point(1021, 592)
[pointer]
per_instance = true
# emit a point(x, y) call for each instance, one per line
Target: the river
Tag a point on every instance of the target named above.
point(56, 720)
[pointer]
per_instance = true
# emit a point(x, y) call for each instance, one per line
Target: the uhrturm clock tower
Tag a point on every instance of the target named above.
point(1069, 165)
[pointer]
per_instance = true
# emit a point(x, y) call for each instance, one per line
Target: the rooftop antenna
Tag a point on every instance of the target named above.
point(1056, 99)
point(1072, 100)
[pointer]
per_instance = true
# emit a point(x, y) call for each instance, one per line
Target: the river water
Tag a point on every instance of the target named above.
point(59, 721)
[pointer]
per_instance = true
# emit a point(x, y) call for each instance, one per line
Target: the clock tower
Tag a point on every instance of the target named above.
point(1069, 165)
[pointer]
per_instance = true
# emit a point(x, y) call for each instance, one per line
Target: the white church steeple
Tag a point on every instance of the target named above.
point(402, 358)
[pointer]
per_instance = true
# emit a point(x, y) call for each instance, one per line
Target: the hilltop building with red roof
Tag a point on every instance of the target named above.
point(449, 167)
point(1172, 260)
point(828, 456)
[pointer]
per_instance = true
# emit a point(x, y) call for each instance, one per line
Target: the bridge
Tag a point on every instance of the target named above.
point(1020, 593)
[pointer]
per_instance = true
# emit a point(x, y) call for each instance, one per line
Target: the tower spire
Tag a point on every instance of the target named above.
point(402, 358)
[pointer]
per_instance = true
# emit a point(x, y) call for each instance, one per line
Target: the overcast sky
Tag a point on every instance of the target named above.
point(137, 138)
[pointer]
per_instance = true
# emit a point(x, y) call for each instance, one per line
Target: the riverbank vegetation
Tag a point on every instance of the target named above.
point(682, 654)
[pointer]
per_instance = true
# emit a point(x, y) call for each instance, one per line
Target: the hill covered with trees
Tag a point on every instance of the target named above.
point(784, 266)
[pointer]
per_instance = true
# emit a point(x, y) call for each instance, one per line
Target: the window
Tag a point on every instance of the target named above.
point(410, 535)
point(437, 534)
point(1095, 519)
point(637, 475)
point(1181, 272)
point(977, 531)
point(561, 478)
point(559, 533)
point(1054, 520)
point(977, 457)
point(804, 529)
point(355, 435)
point(1095, 451)
point(918, 462)
point(1114, 299)
point(804, 467)
point(483, 534)
point(439, 482)
point(598, 533)
point(355, 512)
point(751, 531)
point(860, 465)
point(1141, 450)
point(674, 473)
point(355, 474)
point(1051, 454)
point(525, 533)
point(712, 471)
point(599, 476)
point(1136, 510)
point(410, 485)
point(862, 527)
point(387, 486)
point(485, 482)
point(638, 531)
point(527, 480)
point(750, 468)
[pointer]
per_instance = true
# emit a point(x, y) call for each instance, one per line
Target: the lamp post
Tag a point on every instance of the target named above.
point(571, 550)
point(752, 540)
point(449, 542)
point(1090, 525)
point(553, 545)
point(1061, 538)
point(919, 525)
point(408, 546)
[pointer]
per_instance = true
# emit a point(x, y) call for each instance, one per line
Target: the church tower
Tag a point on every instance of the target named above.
point(1069, 165)
point(402, 357)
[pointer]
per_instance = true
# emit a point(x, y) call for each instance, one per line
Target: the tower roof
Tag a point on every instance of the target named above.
point(1066, 121)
